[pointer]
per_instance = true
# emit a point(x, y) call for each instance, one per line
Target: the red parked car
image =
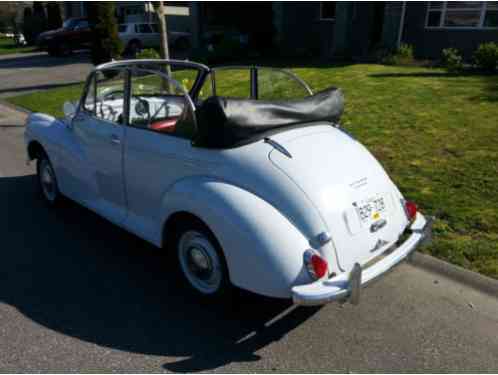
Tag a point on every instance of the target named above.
point(75, 33)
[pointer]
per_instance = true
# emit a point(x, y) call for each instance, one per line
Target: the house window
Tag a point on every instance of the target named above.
point(462, 14)
point(327, 10)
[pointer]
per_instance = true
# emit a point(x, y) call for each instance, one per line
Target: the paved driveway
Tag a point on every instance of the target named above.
point(78, 294)
point(28, 72)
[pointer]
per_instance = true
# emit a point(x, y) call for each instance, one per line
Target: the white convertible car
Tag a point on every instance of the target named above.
point(249, 183)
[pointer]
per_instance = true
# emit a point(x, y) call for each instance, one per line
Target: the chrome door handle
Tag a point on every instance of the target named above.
point(115, 140)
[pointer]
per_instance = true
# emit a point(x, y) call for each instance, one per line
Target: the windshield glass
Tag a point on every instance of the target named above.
point(122, 28)
point(70, 23)
point(186, 76)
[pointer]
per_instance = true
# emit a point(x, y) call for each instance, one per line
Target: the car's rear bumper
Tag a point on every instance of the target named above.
point(348, 285)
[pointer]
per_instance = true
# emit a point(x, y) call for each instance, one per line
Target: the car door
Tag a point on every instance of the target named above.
point(158, 148)
point(99, 132)
point(83, 33)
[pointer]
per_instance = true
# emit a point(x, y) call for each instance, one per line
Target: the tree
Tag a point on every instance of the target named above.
point(106, 43)
point(54, 19)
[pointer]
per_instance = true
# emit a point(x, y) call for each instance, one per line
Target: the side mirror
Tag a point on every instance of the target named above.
point(69, 109)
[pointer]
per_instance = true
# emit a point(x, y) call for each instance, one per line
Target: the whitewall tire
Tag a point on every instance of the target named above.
point(47, 181)
point(201, 261)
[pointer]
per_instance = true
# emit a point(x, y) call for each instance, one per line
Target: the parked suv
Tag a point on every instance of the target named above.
point(75, 33)
point(136, 36)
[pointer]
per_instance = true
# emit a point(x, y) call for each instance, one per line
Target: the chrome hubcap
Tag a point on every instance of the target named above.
point(200, 262)
point(47, 180)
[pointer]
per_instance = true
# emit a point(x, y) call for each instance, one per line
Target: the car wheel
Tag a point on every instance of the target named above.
point(47, 182)
point(134, 47)
point(201, 261)
point(52, 51)
point(64, 49)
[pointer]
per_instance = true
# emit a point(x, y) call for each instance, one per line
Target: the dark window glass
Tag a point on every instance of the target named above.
point(462, 18)
point(144, 28)
point(464, 5)
point(327, 10)
point(434, 19)
point(491, 19)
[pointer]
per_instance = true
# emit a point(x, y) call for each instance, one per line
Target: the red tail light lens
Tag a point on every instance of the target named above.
point(317, 266)
point(411, 210)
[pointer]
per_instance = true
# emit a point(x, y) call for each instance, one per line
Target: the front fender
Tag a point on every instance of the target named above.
point(42, 129)
point(263, 250)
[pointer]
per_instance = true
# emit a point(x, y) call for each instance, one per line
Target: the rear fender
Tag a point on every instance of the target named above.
point(263, 250)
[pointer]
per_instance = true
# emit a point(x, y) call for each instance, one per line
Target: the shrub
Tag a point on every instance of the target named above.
point(148, 53)
point(452, 60)
point(54, 18)
point(402, 56)
point(34, 23)
point(486, 56)
point(106, 43)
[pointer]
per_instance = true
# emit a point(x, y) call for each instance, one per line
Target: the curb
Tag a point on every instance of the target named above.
point(14, 107)
point(473, 279)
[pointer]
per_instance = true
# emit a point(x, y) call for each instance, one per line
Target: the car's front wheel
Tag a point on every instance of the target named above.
point(201, 261)
point(47, 182)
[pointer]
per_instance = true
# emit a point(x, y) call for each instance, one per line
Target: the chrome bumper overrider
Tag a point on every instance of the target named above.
point(348, 285)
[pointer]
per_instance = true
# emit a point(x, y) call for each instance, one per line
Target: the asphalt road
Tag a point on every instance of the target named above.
point(29, 72)
point(78, 294)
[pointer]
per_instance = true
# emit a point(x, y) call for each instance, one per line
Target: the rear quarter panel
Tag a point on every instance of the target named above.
point(263, 250)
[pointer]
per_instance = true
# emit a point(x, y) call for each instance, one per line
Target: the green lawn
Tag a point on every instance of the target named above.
point(7, 46)
point(436, 134)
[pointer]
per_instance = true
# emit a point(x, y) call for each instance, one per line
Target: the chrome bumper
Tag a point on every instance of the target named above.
point(348, 285)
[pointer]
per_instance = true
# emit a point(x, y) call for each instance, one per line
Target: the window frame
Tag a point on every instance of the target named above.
point(253, 76)
point(444, 10)
point(92, 79)
point(186, 94)
point(321, 12)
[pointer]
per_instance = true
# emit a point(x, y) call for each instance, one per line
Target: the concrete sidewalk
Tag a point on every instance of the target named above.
point(11, 117)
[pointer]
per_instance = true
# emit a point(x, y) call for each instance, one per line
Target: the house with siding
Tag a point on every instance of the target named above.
point(331, 30)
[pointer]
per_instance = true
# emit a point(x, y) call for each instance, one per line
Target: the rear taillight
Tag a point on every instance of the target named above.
point(411, 210)
point(316, 266)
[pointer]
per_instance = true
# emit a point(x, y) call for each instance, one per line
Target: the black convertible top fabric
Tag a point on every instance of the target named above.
point(225, 123)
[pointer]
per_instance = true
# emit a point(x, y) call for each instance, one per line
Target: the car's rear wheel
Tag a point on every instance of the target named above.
point(52, 51)
point(64, 49)
point(47, 181)
point(201, 260)
point(134, 47)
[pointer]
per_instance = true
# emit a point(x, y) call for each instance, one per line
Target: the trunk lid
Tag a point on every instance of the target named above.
point(354, 196)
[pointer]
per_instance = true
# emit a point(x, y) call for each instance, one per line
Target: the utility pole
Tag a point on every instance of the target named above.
point(163, 31)
point(401, 24)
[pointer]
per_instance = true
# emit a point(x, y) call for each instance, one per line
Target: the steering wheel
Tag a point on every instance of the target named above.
point(110, 111)
point(142, 108)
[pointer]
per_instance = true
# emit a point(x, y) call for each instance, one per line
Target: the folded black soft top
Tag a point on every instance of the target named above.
point(225, 123)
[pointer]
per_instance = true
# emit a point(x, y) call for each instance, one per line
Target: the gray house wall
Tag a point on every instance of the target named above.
point(300, 30)
point(428, 43)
